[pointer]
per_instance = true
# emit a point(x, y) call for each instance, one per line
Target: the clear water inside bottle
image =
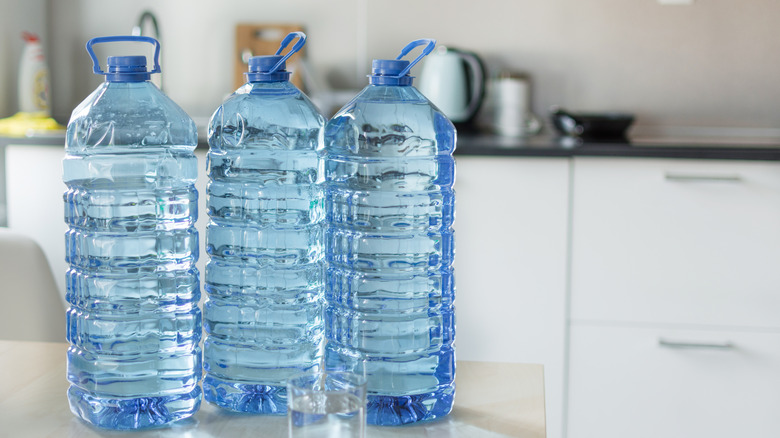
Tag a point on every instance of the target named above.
point(389, 247)
point(264, 280)
point(133, 321)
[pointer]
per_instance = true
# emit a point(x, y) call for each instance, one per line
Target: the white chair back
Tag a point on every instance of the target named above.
point(30, 305)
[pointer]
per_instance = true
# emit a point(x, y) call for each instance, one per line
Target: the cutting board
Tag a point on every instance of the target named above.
point(262, 40)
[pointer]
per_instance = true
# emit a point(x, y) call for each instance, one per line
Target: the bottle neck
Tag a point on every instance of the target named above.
point(126, 84)
point(403, 81)
point(280, 83)
point(268, 88)
point(128, 78)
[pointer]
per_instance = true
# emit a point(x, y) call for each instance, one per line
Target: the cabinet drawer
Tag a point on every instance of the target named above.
point(624, 383)
point(676, 241)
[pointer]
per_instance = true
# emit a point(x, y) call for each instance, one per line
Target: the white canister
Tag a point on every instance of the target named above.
point(508, 106)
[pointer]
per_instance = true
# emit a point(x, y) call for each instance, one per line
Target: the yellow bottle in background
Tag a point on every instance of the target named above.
point(34, 116)
point(33, 78)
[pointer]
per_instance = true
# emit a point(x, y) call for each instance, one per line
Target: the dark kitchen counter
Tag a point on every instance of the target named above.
point(549, 146)
point(546, 146)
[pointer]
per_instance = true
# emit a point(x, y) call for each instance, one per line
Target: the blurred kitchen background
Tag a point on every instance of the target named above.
point(713, 63)
point(703, 67)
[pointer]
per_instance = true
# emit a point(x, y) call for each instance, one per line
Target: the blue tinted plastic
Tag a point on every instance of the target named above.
point(291, 36)
point(389, 248)
point(272, 68)
point(120, 76)
point(429, 45)
point(396, 71)
point(264, 279)
point(133, 320)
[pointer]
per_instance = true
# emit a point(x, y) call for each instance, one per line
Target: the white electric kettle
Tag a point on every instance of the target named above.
point(454, 80)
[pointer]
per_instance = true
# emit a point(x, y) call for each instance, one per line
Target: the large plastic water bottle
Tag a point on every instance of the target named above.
point(134, 327)
point(389, 245)
point(264, 280)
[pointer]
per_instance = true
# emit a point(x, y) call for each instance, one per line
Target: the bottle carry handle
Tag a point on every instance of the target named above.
point(285, 42)
point(110, 39)
point(431, 43)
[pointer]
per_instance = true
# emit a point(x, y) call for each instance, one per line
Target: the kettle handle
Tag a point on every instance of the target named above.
point(478, 73)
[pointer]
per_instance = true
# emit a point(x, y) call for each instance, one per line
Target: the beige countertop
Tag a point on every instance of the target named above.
point(492, 400)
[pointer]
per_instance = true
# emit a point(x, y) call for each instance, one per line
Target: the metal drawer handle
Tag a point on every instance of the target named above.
point(727, 345)
point(685, 177)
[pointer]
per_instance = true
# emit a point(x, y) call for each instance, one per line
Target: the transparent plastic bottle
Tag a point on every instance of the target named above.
point(389, 245)
point(264, 279)
point(133, 323)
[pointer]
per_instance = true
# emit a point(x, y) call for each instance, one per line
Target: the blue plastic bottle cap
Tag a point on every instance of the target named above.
point(264, 64)
point(120, 62)
point(261, 69)
point(386, 71)
point(127, 69)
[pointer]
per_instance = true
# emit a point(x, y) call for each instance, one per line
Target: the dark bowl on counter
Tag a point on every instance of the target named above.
point(592, 126)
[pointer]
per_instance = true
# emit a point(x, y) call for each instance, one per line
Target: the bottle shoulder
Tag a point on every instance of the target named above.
point(130, 97)
point(266, 116)
point(269, 103)
point(390, 121)
point(129, 114)
point(375, 94)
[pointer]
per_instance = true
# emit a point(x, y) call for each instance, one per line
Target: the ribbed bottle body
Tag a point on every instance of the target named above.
point(264, 279)
point(133, 321)
point(389, 250)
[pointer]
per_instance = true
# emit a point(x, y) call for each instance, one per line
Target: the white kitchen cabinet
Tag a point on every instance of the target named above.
point(623, 383)
point(674, 299)
point(35, 205)
point(34, 191)
point(676, 241)
point(510, 266)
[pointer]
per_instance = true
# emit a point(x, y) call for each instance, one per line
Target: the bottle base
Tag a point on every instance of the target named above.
point(384, 410)
point(248, 398)
point(132, 413)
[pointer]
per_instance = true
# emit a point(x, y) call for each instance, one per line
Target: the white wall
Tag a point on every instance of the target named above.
point(714, 63)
